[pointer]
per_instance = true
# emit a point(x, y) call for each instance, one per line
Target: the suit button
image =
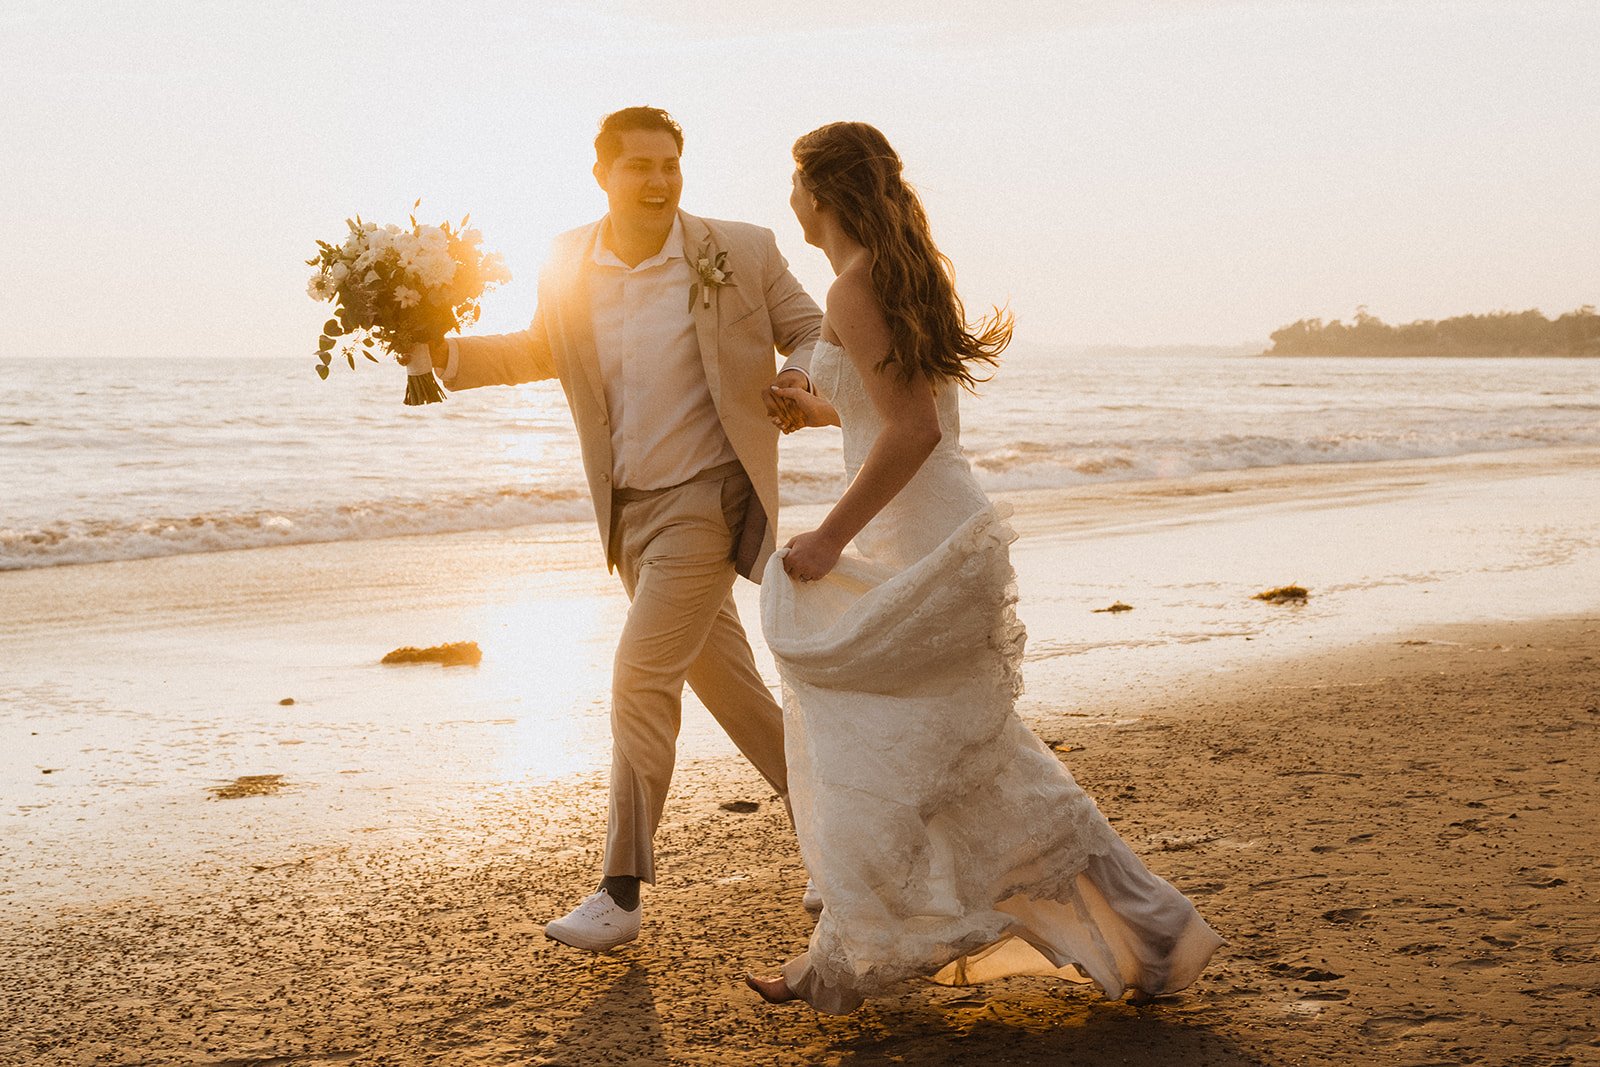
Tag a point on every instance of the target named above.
point(604, 478)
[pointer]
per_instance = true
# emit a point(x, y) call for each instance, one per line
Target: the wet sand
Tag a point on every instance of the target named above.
point(1396, 839)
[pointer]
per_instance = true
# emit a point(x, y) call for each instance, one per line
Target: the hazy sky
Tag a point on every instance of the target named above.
point(1131, 173)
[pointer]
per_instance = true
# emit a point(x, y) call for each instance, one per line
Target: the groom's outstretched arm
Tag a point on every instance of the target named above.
point(497, 359)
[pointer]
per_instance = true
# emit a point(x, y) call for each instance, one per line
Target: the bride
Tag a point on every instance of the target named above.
point(946, 840)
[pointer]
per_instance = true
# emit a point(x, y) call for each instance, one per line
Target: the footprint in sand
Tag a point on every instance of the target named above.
point(1325, 996)
point(1420, 948)
point(1579, 953)
point(1395, 1027)
point(1477, 963)
point(1303, 974)
point(1346, 916)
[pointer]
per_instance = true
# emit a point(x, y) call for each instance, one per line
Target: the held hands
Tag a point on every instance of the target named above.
point(791, 406)
point(810, 556)
point(782, 410)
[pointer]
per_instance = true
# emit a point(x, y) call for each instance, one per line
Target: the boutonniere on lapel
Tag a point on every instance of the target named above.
point(711, 274)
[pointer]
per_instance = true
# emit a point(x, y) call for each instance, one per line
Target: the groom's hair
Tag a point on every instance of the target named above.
point(608, 142)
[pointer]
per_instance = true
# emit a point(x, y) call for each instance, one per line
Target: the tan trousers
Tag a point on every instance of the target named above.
point(674, 552)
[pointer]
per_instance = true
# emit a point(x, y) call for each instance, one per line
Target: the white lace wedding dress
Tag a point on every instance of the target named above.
point(947, 841)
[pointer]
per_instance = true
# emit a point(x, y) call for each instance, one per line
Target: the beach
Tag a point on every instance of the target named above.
point(1268, 329)
point(1382, 797)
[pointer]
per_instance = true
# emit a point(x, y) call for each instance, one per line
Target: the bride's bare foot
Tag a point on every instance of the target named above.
point(772, 990)
point(1139, 998)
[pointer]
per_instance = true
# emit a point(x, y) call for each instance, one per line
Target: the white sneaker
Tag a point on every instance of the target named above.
point(597, 924)
point(812, 901)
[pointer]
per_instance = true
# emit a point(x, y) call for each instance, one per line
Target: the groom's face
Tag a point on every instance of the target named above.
point(644, 182)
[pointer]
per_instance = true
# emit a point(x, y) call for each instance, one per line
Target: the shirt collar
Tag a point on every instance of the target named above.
point(671, 249)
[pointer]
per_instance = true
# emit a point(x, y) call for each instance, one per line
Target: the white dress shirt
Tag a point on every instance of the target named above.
point(664, 426)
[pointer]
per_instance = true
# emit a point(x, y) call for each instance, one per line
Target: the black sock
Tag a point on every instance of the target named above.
point(623, 889)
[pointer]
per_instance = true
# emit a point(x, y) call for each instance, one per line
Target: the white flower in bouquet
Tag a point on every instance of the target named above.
point(433, 238)
point(436, 269)
point(398, 288)
point(493, 270)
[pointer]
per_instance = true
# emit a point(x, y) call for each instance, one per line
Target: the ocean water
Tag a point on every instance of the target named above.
point(106, 459)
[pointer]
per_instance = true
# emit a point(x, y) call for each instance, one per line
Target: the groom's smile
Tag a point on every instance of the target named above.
point(642, 185)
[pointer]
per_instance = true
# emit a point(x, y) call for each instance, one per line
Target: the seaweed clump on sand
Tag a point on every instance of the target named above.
point(1119, 606)
point(249, 785)
point(1283, 594)
point(455, 654)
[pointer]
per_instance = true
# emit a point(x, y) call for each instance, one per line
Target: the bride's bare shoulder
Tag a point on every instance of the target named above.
point(854, 313)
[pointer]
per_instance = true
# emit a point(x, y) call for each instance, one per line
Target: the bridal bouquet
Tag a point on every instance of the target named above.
point(395, 288)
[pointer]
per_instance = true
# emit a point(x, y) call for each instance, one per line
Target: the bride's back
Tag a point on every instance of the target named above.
point(940, 496)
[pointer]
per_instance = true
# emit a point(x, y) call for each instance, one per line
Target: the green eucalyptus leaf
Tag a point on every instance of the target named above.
point(322, 371)
point(325, 357)
point(332, 328)
point(351, 356)
point(325, 344)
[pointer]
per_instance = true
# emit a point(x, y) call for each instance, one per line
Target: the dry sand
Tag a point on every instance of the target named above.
point(1396, 840)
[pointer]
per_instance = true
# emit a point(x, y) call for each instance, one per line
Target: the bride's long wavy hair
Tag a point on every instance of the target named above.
point(851, 168)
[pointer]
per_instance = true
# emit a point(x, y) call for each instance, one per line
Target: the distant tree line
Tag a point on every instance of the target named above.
point(1501, 333)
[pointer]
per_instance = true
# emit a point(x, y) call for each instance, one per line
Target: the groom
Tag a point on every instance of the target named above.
point(665, 353)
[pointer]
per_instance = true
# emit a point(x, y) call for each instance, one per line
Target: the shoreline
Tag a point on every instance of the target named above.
point(1114, 492)
point(1392, 836)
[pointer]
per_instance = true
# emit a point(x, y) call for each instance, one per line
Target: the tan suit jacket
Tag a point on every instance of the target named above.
point(765, 309)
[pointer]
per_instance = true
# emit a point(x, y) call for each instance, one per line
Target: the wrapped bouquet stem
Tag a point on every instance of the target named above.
point(421, 386)
point(396, 289)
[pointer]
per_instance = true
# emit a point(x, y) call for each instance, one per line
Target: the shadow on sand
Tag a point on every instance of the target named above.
point(1038, 1029)
point(620, 1025)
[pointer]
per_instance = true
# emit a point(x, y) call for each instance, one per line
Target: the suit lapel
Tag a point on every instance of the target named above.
point(577, 318)
point(696, 235)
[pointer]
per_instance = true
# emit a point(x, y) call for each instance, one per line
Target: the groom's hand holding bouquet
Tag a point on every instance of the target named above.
point(402, 291)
